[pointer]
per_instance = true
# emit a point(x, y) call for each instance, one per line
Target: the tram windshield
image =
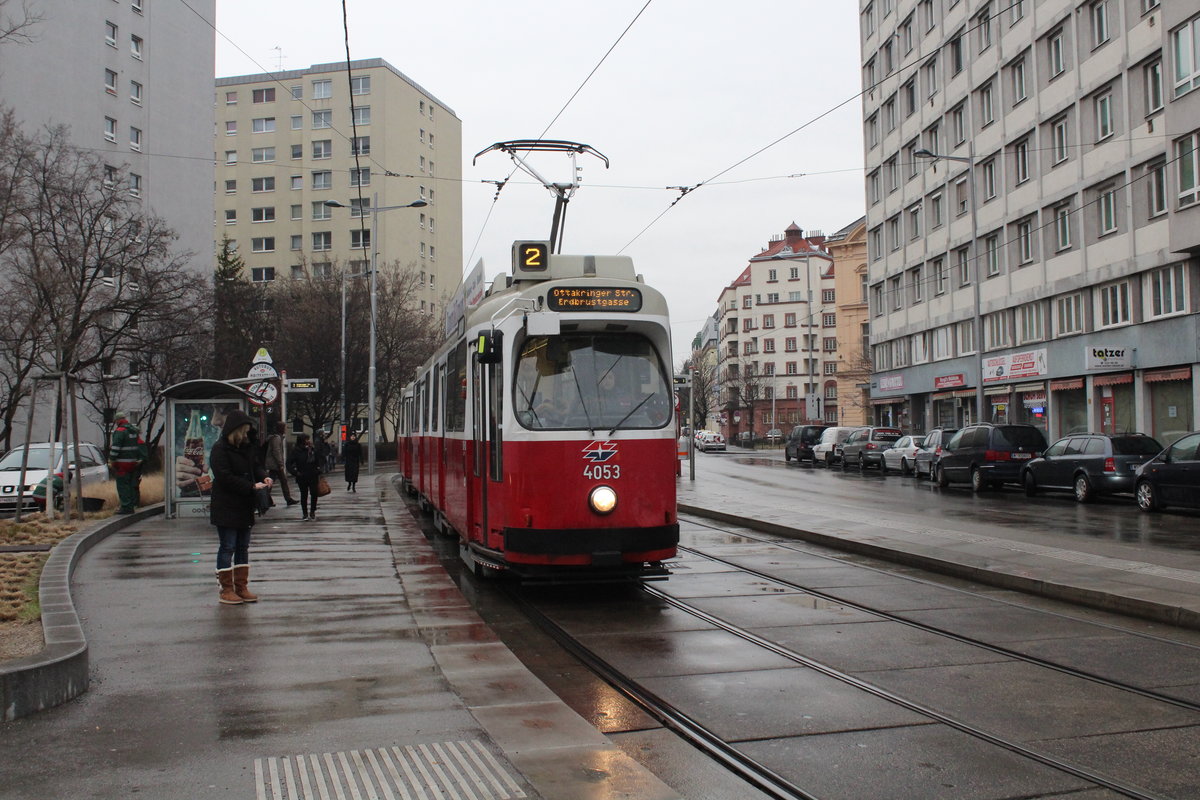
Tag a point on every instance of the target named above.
point(597, 382)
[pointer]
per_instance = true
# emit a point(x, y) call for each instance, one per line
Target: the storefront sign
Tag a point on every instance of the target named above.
point(949, 381)
point(1034, 399)
point(891, 383)
point(1106, 357)
point(1029, 364)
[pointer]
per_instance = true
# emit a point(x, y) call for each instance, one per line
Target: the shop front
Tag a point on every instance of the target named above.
point(1116, 411)
point(1069, 406)
point(1030, 407)
point(1169, 394)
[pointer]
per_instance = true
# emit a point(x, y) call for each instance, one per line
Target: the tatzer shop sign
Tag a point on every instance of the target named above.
point(1106, 357)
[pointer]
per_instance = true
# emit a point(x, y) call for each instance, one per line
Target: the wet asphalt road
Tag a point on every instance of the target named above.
point(805, 487)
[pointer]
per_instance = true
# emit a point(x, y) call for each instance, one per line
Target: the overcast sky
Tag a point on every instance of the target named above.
point(693, 88)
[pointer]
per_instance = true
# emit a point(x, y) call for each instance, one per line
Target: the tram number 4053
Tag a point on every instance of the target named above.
point(602, 472)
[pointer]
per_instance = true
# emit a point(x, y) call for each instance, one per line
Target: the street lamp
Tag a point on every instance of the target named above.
point(374, 209)
point(969, 160)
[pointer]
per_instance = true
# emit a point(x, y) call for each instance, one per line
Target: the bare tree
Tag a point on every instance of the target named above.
point(16, 24)
point(242, 315)
point(745, 388)
point(406, 338)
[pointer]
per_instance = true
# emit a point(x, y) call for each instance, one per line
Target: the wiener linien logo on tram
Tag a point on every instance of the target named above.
point(598, 452)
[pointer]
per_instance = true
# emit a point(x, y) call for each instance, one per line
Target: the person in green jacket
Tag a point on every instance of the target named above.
point(125, 457)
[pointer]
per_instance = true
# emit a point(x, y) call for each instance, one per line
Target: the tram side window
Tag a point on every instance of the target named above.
point(495, 415)
point(434, 395)
point(456, 389)
point(425, 405)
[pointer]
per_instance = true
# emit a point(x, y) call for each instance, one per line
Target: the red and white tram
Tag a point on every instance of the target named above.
point(542, 432)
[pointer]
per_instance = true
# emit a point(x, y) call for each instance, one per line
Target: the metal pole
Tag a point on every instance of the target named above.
point(371, 369)
point(812, 354)
point(979, 398)
point(342, 406)
point(692, 424)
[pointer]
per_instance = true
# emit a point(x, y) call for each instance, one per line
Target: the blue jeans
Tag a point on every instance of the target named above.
point(234, 549)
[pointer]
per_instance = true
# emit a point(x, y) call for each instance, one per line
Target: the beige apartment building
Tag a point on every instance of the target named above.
point(849, 250)
point(1033, 212)
point(286, 144)
point(777, 355)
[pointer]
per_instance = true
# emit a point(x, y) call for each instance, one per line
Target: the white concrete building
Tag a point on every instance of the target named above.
point(1049, 257)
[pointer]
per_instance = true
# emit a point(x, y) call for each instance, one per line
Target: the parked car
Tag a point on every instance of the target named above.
point(988, 455)
point(800, 442)
point(828, 450)
point(865, 446)
point(707, 441)
point(1090, 465)
point(774, 436)
point(1171, 478)
point(93, 469)
point(903, 454)
point(925, 461)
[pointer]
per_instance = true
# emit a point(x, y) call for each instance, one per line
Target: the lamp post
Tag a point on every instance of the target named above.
point(374, 209)
point(977, 318)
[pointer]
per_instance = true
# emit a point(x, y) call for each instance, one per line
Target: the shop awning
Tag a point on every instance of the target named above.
point(1112, 379)
point(887, 401)
point(1160, 375)
point(942, 395)
point(994, 390)
point(1067, 385)
point(1030, 387)
point(965, 393)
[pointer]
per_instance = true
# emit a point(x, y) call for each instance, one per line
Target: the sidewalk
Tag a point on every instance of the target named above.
point(362, 671)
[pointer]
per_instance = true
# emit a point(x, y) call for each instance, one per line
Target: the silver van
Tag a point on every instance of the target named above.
point(829, 450)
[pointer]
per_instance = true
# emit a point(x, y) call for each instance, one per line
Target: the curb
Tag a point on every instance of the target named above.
point(60, 671)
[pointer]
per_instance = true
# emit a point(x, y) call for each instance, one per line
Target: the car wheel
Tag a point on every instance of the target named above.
point(1030, 484)
point(786, 457)
point(1147, 497)
point(941, 478)
point(883, 467)
point(905, 469)
point(1083, 489)
point(978, 484)
point(845, 463)
point(829, 461)
point(862, 463)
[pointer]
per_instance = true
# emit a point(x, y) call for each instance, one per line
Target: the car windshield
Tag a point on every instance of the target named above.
point(885, 436)
point(591, 381)
point(39, 458)
point(1135, 446)
point(1017, 437)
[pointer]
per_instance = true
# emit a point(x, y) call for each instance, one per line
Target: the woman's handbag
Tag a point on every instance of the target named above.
point(322, 486)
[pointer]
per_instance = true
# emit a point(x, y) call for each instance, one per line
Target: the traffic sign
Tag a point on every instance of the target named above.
point(261, 357)
point(265, 393)
point(262, 371)
point(303, 385)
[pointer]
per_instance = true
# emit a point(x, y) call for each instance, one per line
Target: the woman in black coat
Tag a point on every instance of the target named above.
point(305, 464)
point(352, 455)
point(237, 476)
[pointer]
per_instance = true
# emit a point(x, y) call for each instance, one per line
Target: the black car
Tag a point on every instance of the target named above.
point(1171, 478)
point(988, 455)
point(1090, 464)
point(800, 442)
point(925, 461)
point(865, 446)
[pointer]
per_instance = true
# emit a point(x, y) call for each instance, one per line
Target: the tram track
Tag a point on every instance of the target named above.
point(687, 724)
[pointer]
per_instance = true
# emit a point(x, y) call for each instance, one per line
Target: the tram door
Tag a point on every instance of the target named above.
point(477, 492)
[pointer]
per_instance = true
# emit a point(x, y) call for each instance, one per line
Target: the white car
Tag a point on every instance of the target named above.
point(828, 451)
point(92, 466)
point(708, 440)
point(903, 454)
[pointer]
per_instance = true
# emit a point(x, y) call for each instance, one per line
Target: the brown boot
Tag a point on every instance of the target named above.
point(241, 577)
point(228, 595)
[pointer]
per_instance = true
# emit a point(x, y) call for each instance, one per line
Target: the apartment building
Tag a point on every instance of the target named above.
point(777, 356)
point(132, 80)
point(704, 361)
point(289, 143)
point(849, 250)
point(1033, 212)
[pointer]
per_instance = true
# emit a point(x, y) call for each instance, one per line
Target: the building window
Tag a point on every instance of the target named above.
point(322, 149)
point(360, 239)
point(1187, 155)
point(230, 216)
point(322, 119)
point(914, 222)
point(297, 92)
point(1154, 86)
point(263, 244)
point(362, 115)
point(231, 186)
point(265, 214)
point(992, 248)
point(1060, 141)
point(1032, 322)
point(828, 321)
point(360, 145)
point(110, 81)
point(1114, 304)
point(829, 344)
point(1062, 227)
point(322, 180)
point(135, 185)
point(360, 177)
point(262, 274)
point(987, 108)
point(1108, 211)
point(297, 211)
point(262, 155)
point(963, 262)
point(931, 77)
point(135, 46)
point(110, 129)
point(264, 125)
point(110, 34)
point(830, 368)
point(1157, 187)
point(789, 344)
point(263, 95)
point(135, 91)
point(939, 276)
point(321, 211)
point(1021, 161)
point(297, 122)
point(768, 320)
point(262, 184)
point(896, 290)
point(1020, 92)
point(360, 84)
point(1100, 33)
point(231, 127)
point(297, 182)
point(1167, 291)
point(983, 24)
point(297, 152)
point(956, 52)
point(966, 338)
point(1104, 116)
point(1185, 45)
point(1069, 312)
point(917, 282)
point(995, 331)
point(1057, 53)
point(1025, 241)
point(135, 139)
point(828, 295)
point(322, 240)
point(231, 98)
point(958, 121)
point(962, 195)
point(322, 90)
point(297, 241)
point(989, 179)
point(789, 320)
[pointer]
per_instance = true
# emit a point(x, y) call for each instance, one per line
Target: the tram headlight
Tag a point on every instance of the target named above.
point(603, 499)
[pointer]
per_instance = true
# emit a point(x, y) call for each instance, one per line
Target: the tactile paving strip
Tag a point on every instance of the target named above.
point(438, 771)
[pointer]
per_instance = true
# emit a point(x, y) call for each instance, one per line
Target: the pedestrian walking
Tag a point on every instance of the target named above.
point(125, 457)
point(277, 461)
point(237, 477)
point(351, 457)
point(324, 452)
point(305, 465)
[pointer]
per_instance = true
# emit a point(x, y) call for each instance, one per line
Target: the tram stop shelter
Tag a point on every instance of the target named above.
point(196, 412)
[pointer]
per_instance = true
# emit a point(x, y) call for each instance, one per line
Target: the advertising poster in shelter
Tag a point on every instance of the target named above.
point(197, 428)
